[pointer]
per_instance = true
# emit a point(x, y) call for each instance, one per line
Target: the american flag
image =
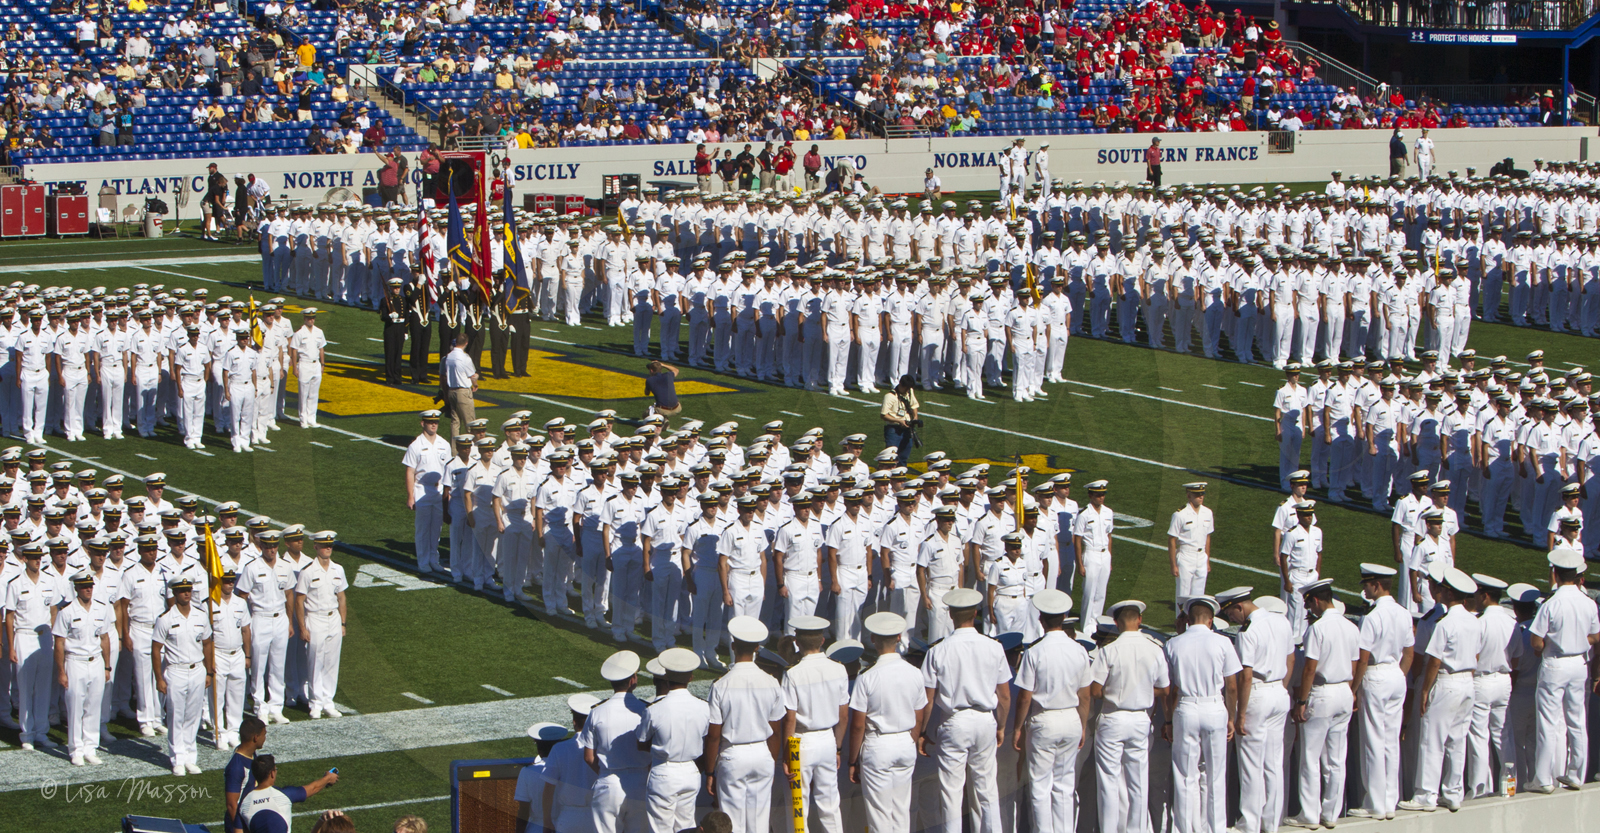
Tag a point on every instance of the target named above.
point(425, 255)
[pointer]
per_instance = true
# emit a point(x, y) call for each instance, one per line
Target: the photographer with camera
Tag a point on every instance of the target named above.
point(900, 419)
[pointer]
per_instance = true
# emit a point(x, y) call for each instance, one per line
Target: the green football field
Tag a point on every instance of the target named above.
point(434, 673)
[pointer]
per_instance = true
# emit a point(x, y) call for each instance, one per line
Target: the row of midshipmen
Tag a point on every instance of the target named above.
point(75, 360)
point(100, 622)
point(1484, 693)
point(1502, 438)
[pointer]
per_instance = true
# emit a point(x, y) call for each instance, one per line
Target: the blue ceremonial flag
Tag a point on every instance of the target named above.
point(516, 278)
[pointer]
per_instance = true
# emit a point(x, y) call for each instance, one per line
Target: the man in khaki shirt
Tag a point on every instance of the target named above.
point(900, 420)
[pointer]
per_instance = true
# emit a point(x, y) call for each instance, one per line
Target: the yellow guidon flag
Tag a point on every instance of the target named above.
point(212, 558)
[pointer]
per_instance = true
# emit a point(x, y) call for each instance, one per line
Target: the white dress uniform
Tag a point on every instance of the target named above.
point(319, 588)
point(428, 459)
point(1201, 660)
point(513, 548)
point(228, 621)
point(1264, 648)
point(1487, 739)
point(182, 639)
point(942, 558)
point(801, 545)
point(621, 518)
point(110, 345)
point(1192, 528)
point(306, 345)
point(573, 780)
point(554, 502)
point(702, 540)
point(817, 689)
point(619, 789)
point(849, 539)
point(191, 362)
point(675, 727)
point(32, 351)
point(242, 367)
point(1128, 669)
point(1301, 551)
point(1566, 622)
point(1385, 634)
point(964, 671)
point(1093, 526)
point(80, 628)
point(1054, 669)
point(746, 703)
point(1455, 642)
point(743, 546)
point(665, 526)
point(32, 603)
point(145, 593)
point(266, 587)
point(1333, 641)
point(890, 694)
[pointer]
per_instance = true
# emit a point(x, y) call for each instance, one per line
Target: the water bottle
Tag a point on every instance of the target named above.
point(1508, 777)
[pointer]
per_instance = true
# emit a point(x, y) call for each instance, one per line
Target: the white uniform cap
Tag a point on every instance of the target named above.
point(620, 666)
point(846, 650)
point(1128, 603)
point(679, 661)
point(885, 624)
point(582, 703)
point(1274, 604)
point(809, 623)
point(1458, 580)
point(1368, 569)
point(1566, 558)
point(1488, 582)
point(1233, 594)
point(1522, 592)
point(547, 731)
point(1205, 600)
point(1052, 602)
point(654, 668)
point(747, 629)
point(962, 598)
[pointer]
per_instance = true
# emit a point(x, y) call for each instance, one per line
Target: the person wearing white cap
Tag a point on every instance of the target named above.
point(746, 734)
point(28, 602)
point(1128, 674)
point(1563, 635)
point(239, 378)
point(798, 551)
point(888, 708)
point(940, 563)
point(674, 728)
point(1429, 549)
point(82, 653)
point(703, 580)
point(1405, 521)
point(1053, 699)
point(1201, 704)
point(307, 346)
point(1300, 562)
point(1291, 409)
point(661, 537)
point(968, 681)
point(620, 520)
point(897, 547)
point(848, 544)
point(610, 747)
point(742, 554)
point(1323, 701)
point(320, 614)
point(529, 792)
point(1266, 654)
point(1091, 534)
point(1189, 543)
point(1386, 645)
point(1487, 739)
point(512, 500)
point(181, 655)
point(568, 778)
point(1450, 656)
point(816, 699)
point(553, 533)
point(1521, 712)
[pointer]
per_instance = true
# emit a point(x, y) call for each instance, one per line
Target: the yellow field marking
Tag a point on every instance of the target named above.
point(358, 389)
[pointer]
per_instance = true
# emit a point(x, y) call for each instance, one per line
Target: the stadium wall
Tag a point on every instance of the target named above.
point(895, 166)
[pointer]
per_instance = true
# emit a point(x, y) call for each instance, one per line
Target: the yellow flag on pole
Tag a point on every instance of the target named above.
point(212, 558)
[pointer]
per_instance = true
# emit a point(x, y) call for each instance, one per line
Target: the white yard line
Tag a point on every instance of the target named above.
point(840, 410)
point(140, 263)
point(1174, 390)
point(1084, 395)
point(1252, 384)
point(1163, 399)
point(1213, 387)
point(145, 456)
point(498, 690)
point(417, 697)
point(573, 683)
point(204, 453)
point(792, 413)
point(320, 445)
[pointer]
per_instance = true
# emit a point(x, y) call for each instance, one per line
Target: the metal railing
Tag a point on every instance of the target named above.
point(1334, 71)
point(1471, 15)
point(1280, 141)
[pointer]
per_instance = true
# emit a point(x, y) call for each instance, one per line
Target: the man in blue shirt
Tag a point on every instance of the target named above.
point(268, 809)
point(237, 778)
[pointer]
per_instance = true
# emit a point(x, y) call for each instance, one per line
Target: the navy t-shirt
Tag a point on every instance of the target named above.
point(237, 778)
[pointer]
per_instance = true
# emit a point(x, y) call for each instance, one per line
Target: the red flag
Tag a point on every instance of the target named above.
point(480, 266)
point(425, 258)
